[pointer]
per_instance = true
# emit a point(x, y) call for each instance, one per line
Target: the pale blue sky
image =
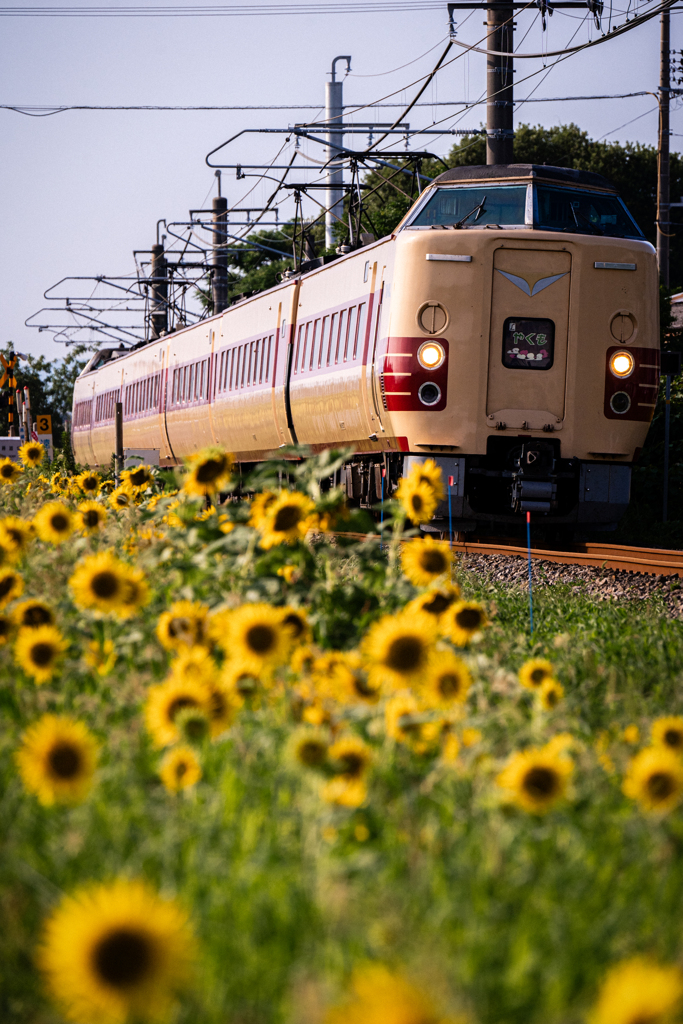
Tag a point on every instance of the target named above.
point(81, 190)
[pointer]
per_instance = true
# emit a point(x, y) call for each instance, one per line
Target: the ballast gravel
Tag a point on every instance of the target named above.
point(601, 584)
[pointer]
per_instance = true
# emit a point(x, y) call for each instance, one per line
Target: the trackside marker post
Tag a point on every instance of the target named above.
point(450, 514)
point(528, 547)
point(381, 514)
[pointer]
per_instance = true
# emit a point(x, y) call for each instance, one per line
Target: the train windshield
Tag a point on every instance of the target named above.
point(474, 207)
point(593, 213)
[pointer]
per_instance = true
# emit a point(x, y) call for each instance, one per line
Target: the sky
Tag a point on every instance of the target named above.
point(80, 190)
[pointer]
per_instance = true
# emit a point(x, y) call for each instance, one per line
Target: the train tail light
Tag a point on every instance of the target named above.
point(622, 364)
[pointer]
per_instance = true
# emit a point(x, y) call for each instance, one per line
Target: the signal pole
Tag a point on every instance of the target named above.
point(159, 317)
point(663, 193)
point(334, 114)
point(499, 102)
point(219, 285)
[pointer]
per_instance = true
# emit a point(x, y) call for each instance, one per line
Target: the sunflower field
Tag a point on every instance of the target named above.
point(266, 761)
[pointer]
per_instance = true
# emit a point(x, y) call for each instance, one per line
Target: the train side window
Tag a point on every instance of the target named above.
point(528, 344)
point(191, 388)
point(244, 365)
point(202, 379)
point(220, 372)
point(231, 360)
point(340, 334)
point(314, 341)
point(174, 387)
point(270, 341)
point(307, 331)
point(257, 349)
point(350, 330)
point(360, 325)
point(251, 359)
point(323, 335)
point(333, 324)
point(298, 346)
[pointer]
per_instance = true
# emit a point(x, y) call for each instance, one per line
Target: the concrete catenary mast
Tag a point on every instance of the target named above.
point(334, 114)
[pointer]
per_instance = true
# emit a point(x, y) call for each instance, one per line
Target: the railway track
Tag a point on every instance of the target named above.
point(655, 561)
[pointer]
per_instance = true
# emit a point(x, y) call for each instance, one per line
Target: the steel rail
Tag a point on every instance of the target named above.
point(653, 561)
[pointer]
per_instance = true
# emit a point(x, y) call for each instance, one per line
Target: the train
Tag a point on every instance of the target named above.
point(508, 328)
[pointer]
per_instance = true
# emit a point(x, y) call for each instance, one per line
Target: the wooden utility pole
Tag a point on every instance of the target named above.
point(663, 193)
point(500, 103)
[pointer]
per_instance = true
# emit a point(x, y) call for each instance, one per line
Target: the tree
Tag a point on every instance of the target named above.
point(51, 386)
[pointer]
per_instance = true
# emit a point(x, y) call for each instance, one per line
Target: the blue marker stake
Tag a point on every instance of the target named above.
point(381, 515)
point(528, 544)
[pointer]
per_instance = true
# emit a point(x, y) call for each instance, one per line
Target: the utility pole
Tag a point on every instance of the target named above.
point(663, 193)
point(334, 113)
point(499, 102)
point(219, 286)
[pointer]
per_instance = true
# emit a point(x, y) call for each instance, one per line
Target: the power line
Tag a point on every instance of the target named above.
point(222, 10)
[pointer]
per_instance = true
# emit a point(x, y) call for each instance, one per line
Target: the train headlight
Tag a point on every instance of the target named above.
point(622, 364)
point(431, 355)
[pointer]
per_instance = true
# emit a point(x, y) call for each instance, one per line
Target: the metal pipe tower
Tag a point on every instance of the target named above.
point(334, 114)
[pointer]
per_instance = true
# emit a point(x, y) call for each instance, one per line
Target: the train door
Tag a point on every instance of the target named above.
point(284, 348)
point(528, 339)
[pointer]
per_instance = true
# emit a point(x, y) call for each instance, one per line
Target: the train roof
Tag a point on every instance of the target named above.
point(524, 173)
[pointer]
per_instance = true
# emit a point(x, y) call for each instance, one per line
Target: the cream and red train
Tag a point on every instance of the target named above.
point(508, 328)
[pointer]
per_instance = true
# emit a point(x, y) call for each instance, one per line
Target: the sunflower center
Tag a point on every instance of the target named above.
point(405, 653)
point(438, 604)
point(42, 654)
point(59, 522)
point(673, 738)
point(417, 502)
point(122, 958)
point(210, 470)
point(178, 704)
point(362, 687)
point(5, 626)
point(90, 483)
point(64, 760)
point(433, 562)
point(469, 619)
point(7, 472)
point(261, 638)
point(180, 769)
point(311, 753)
point(661, 785)
point(36, 615)
point(91, 518)
point(179, 627)
point(105, 584)
point(352, 764)
point(552, 697)
point(449, 684)
point(537, 676)
point(218, 704)
point(540, 783)
point(296, 623)
point(138, 477)
point(6, 585)
point(15, 535)
point(287, 518)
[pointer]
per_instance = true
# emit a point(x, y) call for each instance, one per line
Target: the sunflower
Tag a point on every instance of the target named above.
point(89, 483)
point(436, 601)
point(259, 508)
point(638, 991)
point(15, 534)
point(655, 779)
point(9, 471)
point(379, 996)
point(165, 701)
point(193, 665)
point(183, 625)
point(536, 778)
point(33, 613)
point(308, 748)
point(54, 522)
point(101, 657)
point(121, 497)
point(534, 673)
point(139, 478)
point(222, 707)
point(550, 694)
point(447, 681)
point(135, 592)
point(351, 757)
point(348, 680)
point(462, 621)
point(57, 760)
point(399, 647)
point(59, 483)
point(424, 561)
point(11, 586)
point(116, 952)
point(295, 622)
point(242, 681)
point(90, 516)
point(418, 499)
point(101, 582)
point(345, 791)
point(287, 520)
point(471, 737)
point(668, 732)
point(631, 734)
point(193, 724)
point(38, 650)
point(208, 472)
point(31, 454)
point(180, 769)
point(258, 637)
point(399, 716)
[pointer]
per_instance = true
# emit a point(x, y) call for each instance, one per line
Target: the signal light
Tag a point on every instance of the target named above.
point(431, 355)
point(622, 364)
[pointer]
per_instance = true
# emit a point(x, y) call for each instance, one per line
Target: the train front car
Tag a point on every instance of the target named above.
point(523, 352)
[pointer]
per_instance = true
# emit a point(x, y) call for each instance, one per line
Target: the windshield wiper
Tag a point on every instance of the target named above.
point(477, 209)
point(591, 227)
